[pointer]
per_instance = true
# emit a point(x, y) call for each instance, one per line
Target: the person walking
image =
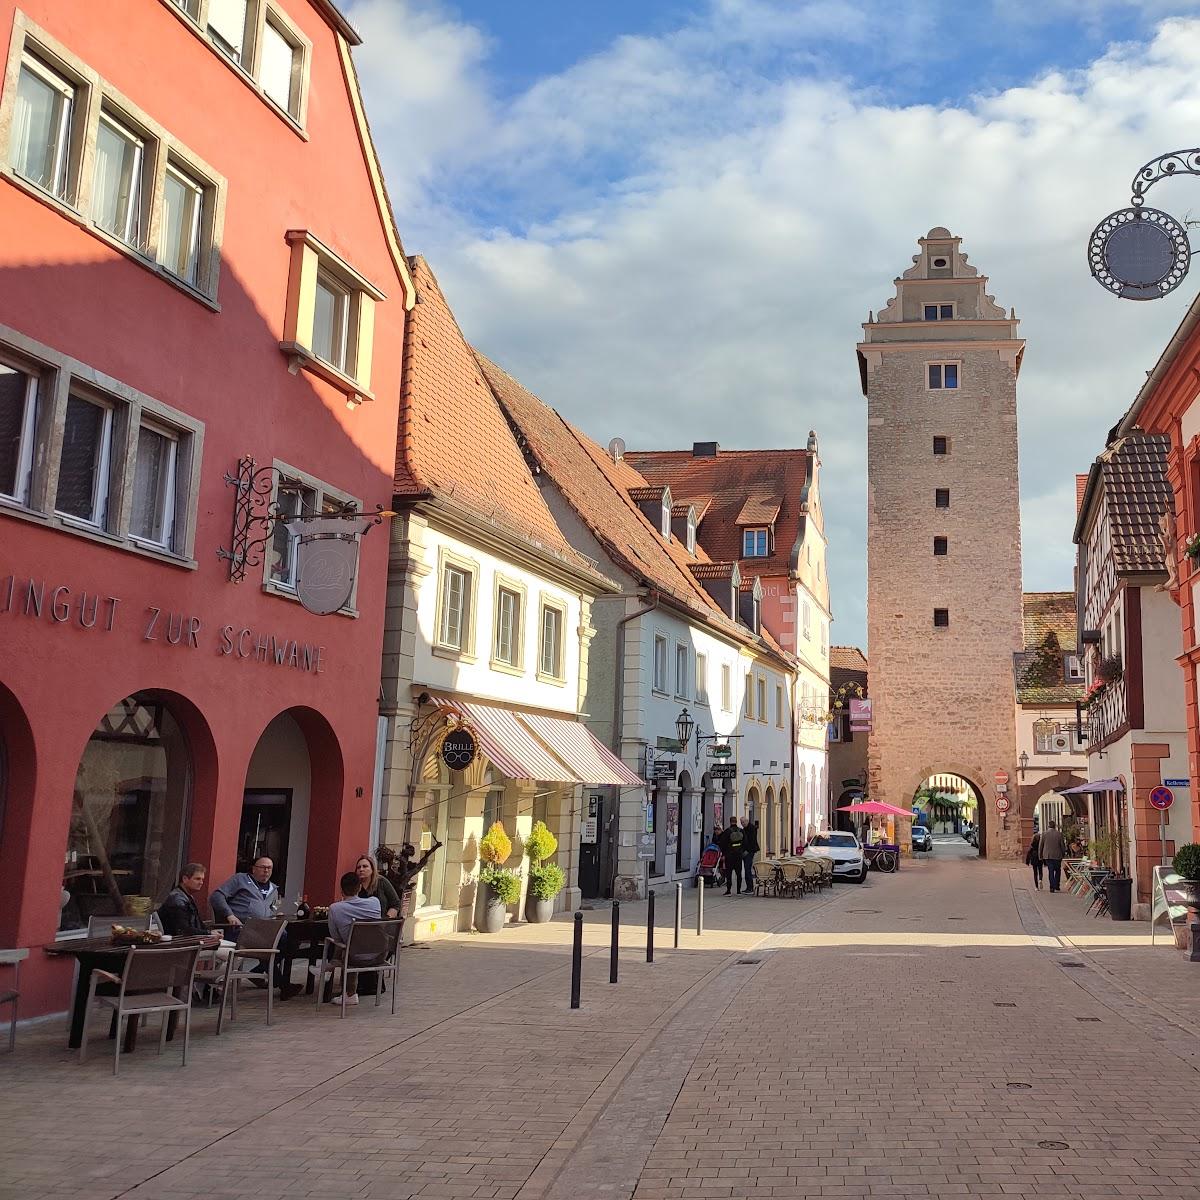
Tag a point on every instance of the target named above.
point(1053, 849)
point(750, 848)
point(730, 842)
point(1033, 856)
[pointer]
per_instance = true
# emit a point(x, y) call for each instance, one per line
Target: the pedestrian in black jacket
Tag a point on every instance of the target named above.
point(750, 848)
point(179, 913)
point(730, 842)
point(1033, 856)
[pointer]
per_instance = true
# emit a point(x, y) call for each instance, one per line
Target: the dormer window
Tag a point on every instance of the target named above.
point(665, 523)
point(755, 543)
point(691, 531)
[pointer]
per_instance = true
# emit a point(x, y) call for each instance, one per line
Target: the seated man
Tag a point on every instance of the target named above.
point(244, 896)
point(342, 915)
point(178, 913)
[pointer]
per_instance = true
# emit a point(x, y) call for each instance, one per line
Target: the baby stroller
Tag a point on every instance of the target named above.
point(712, 867)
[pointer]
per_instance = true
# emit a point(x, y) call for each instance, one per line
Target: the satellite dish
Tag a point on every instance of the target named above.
point(616, 449)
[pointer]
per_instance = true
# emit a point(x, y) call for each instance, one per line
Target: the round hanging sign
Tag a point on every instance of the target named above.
point(1139, 253)
point(458, 749)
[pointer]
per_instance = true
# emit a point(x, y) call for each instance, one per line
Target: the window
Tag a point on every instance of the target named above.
point(941, 445)
point(691, 531)
point(117, 188)
point(806, 620)
point(941, 545)
point(293, 499)
point(191, 7)
point(153, 517)
point(726, 687)
point(681, 671)
point(280, 64)
point(42, 126)
point(664, 520)
point(660, 663)
point(18, 431)
point(943, 376)
point(182, 224)
point(229, 27)
point(455, 607)
point(779, 705)
point(762, 699)
point(84, 468)
point(835, 728)
point(941, 618)
point(550, 663)
point(939, 312)
point(701, 678)
point(749, 698)
point(1044, 736)
point(754, 543)
point(1072, 668)
point(941, 498)
point(506, 642)
point(330, 317)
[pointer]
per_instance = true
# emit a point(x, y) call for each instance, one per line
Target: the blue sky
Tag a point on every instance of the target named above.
point(660, 215)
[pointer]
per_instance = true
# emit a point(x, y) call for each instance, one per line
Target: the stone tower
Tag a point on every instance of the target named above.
point(939, 369)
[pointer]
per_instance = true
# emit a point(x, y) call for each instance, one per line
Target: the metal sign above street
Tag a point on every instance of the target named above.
point(726, 770)
point(719, 750)
point(664, 768)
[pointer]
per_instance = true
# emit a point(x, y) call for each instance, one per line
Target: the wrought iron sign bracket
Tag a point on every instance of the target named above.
point(256, 512)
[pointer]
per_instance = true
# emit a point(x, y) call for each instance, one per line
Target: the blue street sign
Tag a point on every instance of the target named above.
point(1177, 783)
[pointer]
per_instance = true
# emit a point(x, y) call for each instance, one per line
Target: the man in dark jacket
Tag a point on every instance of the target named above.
point(750, 848)
point(179, 914)
point(730, 842)
point(1053, 850)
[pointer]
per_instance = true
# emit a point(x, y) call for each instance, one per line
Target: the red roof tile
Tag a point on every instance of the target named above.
point(758, 510)
point(847, 658)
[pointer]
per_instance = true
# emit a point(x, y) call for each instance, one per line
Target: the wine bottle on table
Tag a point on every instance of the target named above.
point(303, 911)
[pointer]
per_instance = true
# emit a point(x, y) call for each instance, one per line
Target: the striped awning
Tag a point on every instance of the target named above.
point(511, 747)
point(592, 761)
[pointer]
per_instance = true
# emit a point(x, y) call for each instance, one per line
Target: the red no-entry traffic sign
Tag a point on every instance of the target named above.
point(1001, 776)
point(1162, 798)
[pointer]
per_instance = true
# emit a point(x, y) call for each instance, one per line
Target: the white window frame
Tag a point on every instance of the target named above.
point(941, 365)
point(748, 699)
point(701, 677)
point(339, 334)
point(196, 230)
point(682, 670)
point(659, 681)
point(806, 620)
point(760, 684)
point(515, 664)
point(102, 482)
point(749, 548)
point(66, 149)
point(135, 215)
point(1072, 673)
point(447, 638)
point(170, 500)
point(289, 484)
point(547, 605)
point(27, 438)
point(726, 688)
point(287, 35)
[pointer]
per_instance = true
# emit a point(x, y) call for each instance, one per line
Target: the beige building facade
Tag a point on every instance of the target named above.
point(939, 369)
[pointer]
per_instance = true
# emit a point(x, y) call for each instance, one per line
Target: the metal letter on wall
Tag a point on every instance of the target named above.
point(326, 561)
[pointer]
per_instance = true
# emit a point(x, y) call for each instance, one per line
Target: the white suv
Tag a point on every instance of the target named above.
point(844, 850)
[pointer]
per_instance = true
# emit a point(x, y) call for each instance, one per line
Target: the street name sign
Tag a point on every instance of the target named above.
point(1177, 783)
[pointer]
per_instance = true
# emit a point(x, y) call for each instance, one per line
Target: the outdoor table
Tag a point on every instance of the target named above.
point(302, 939)
point(100, 954)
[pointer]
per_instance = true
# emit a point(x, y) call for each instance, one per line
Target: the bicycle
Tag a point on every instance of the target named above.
point(882, 860)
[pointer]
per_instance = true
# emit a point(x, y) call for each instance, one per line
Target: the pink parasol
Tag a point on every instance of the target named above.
point(877, 807)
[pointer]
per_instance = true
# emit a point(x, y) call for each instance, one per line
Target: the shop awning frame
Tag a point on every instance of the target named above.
point(594, 763)
point(1096, 786)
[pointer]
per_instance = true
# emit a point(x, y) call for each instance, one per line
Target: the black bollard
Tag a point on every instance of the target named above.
point(612, 950)
point(650, 927)
point(679, 912)
point(577, 960)
point(700, 908)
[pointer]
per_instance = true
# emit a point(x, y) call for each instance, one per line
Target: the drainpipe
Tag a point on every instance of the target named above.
point(794, 829)
point(654, 598)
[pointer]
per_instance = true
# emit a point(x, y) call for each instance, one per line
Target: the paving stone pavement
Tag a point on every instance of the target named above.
point(917, 1036)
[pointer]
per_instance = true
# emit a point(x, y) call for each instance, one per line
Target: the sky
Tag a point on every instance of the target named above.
point(669, 220)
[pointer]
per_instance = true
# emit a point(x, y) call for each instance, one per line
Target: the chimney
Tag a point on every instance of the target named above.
point(705, 449)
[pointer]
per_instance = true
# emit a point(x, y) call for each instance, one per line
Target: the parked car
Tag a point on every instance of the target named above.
point(972, 836)
point(922, 839)
point(844, 850)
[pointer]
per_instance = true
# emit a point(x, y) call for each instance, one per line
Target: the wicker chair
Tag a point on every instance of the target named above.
point(791, 879)
point(813, 874)
point(154, 980)
point(370, 948)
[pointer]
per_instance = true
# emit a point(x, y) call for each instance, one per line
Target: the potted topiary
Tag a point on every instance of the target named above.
point(497, 887)
point(1186, 864)
point(546, 880)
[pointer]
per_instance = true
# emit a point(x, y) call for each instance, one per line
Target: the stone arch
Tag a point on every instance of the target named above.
point(786, 824)
point(767, 826)
point(684, 818)
point(18, 787)
point(1031, 793)
point(974, 776)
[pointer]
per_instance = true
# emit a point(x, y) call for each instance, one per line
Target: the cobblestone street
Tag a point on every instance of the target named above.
point(943, 1031)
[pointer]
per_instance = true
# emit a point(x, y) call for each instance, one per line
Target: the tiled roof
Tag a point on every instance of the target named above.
point(645, 493)
point(1130, 479)
point(455, 443)
point(848, 658)
point(600, 492)
point(1049, 634)
point(732, 483)
point(1080, 489)
point(712, 570)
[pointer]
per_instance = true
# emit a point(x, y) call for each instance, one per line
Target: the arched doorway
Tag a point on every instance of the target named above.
point(767, 832)
point(950, 802)
point(785, 822)
point(686, 818)
point(708, 809)
point(131, 811)
point(292, 802)
point(753, 803)
point(18, 787)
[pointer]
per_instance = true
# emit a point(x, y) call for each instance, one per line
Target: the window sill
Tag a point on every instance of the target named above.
point(452, 653)
point(73, 215)
point(60, 524)
point(301, 358)
point(662, 693)
point(286, 593)
point(498, 664)
point(553, 680)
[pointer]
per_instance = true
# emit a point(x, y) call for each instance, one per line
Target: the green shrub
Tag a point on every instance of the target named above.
point(505, 884)
point(541, 844)
point(546, 880)
point(1187, 861)
point(495, 846)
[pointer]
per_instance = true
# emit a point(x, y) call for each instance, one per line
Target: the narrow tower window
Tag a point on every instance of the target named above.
point(943, 376)
point(941, 445)
point(941, 618)
point(941, 498)
point(941, 545)
point(939, 312)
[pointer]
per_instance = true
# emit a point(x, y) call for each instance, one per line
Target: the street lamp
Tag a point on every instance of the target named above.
point(683, 728)
point(1023, 760)
point(1140, 253)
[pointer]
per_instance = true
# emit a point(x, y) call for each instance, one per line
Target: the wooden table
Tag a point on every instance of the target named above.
point(100, 954)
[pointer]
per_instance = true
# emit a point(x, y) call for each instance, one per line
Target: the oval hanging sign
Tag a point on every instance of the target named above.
point(458, 749)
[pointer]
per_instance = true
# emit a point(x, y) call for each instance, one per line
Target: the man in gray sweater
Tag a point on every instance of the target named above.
point(1053, 849)
point(246, 895)
point(342, 915)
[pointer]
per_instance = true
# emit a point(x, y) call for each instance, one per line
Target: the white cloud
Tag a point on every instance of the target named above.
point(674, 241)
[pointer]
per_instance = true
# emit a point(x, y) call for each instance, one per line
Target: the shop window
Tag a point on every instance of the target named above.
point(942, 376)
point(550, 658)
point(43, 127)
point(509, 626)
point(681, 671)
point(84, 468)
point(130, 813)
point(701, 678)
point(18, 431)
point(660, 664)
point(330, 317)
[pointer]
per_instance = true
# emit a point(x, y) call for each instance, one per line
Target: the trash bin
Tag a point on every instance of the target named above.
point(1120, 896)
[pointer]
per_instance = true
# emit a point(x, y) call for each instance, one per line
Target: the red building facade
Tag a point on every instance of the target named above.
point(199, 267)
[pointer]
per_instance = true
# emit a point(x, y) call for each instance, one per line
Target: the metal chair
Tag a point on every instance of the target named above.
point(154, 980)
point(257, 944)
point(102, 926)
point(12, 958)
point(371, 948)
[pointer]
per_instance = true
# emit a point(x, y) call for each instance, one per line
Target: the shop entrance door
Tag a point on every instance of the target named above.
point(589, 847)
point(266, 829)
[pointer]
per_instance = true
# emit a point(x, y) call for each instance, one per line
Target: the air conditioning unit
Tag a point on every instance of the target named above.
point(1061, 742)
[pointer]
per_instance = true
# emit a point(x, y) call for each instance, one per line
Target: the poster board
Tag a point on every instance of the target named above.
point(1168, 901)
